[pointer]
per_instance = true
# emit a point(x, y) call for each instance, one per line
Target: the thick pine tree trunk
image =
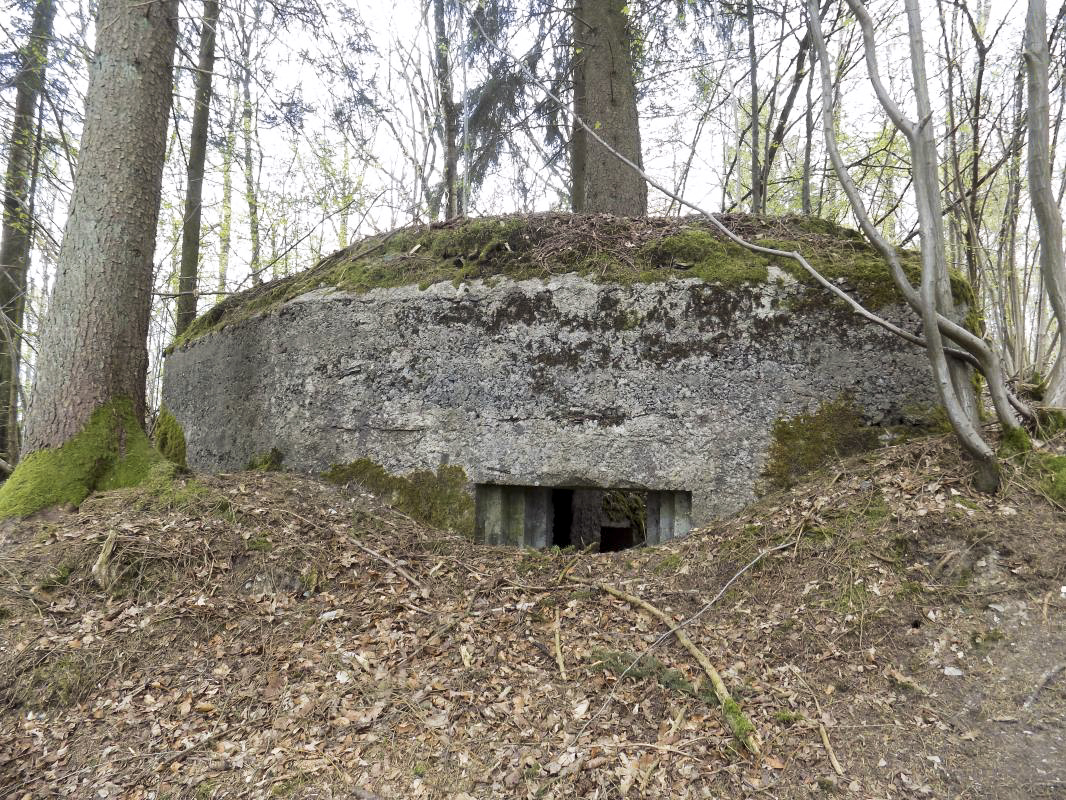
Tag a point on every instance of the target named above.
point(16, 233)
point(605, 97)
point(84, 425)
point(190, 234)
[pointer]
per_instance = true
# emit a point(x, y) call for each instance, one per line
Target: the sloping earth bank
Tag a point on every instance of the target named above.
point(267, 635)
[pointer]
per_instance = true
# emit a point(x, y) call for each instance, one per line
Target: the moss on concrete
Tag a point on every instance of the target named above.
point(705, 256)
point(269, 461)
point(603, 249)
point(807, 441)
point(170, 438)
point(439, 499)
point(111, 452)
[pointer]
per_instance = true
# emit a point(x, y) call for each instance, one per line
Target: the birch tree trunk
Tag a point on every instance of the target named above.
point(1041, 194)
point(605, 96)
point(225, 226)
point(16, 233)
point(201, 121)
point(84, 427)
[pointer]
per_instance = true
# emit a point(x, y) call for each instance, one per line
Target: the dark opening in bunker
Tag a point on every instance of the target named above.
point(616, 537)
point(600, 519)
point(562, 517)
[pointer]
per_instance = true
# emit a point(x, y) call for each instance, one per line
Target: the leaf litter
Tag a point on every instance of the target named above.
point(274, 636)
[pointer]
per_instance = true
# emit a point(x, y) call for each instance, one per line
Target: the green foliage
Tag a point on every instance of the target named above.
point(269, 461)
point(170, 438)
point(111, 452)
point(439, 499)
point(807, 441)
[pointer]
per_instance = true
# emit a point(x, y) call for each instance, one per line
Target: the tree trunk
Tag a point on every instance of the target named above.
point(605, 97)
point(16, 233)
point(1042, 196)
point(758, 199)
point(84, 427)
point(448, 111)
point(248, 29)
point(250, 196)
point(225, 226)
point(201, 121)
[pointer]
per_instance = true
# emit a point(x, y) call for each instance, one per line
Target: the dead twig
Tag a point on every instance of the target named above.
point(1049, 676)
point(559, 649)
point(739, 725)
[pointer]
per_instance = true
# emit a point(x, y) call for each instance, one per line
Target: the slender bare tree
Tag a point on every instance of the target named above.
point(1041, 193)
point(201, 120)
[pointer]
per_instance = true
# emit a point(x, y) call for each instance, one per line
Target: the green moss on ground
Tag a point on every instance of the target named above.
point(111, 452)
point(1013, 442)
point(439, 499)
point(1051, 472)
point(269, 461)
point(170, 438)
point(603, 249)
point(807, 441)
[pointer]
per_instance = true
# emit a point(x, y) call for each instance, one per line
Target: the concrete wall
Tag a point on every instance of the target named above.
point(664, 386)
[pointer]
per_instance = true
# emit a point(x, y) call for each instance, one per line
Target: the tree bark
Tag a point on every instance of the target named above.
point(758, 198)
point(248, 128)
point(1041, 194)
point(201, 121)
point(16, 234)
point(93, 346)
point(448, 111)
point(605, 97)
point(225, 226)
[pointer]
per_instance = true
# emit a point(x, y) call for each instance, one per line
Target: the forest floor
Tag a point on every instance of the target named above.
point(265, 635)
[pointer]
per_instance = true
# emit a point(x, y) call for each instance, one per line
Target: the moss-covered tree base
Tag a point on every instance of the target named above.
point(111, 452)
point(170, 438)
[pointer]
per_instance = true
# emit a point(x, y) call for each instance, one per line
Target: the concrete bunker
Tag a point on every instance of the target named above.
point(545, 357)
point(583, 517)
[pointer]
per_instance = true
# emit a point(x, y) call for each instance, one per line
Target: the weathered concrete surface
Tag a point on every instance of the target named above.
point(660, 386)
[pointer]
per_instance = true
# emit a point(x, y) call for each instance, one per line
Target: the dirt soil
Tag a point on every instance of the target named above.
point(264, 635)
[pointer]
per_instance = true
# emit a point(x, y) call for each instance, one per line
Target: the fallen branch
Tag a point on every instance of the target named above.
point(837, 768)
point(103, 572)
point(559, 649)
point(373, 554)
point(739, 725)
point(1049, 676)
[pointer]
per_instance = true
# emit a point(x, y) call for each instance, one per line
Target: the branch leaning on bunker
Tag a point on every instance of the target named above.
point(970, 358)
